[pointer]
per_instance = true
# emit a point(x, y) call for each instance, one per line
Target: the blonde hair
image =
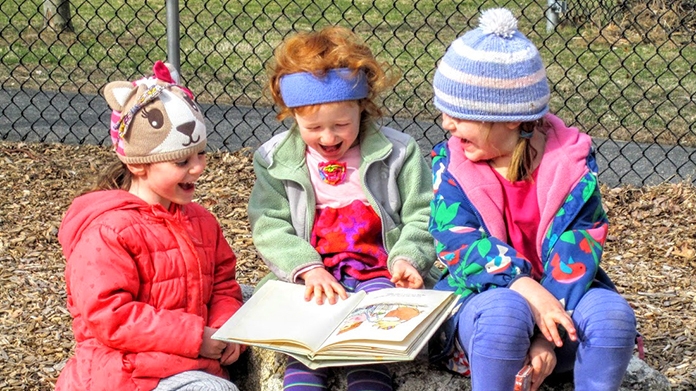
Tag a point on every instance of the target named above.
point(524, 153)
point(317, 52)
point(114, 176)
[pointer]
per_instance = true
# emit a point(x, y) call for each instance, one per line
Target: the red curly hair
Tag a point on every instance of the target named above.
point(317, 52)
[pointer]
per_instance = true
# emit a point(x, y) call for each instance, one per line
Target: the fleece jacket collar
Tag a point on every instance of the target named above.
point(289, 156)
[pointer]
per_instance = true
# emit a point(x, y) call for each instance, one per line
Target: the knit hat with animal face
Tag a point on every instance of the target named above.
point(159, 122)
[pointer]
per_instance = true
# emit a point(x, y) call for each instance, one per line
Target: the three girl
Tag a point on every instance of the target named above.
point(340, 205)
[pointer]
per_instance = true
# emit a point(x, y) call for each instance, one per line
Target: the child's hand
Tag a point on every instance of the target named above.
point(319, 282)
point(404, 275)
point(543, 359)
point(211, 348)
point(231, 354)
point(548, 311)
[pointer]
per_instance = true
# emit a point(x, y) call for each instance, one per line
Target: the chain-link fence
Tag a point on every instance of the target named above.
point(622, 71)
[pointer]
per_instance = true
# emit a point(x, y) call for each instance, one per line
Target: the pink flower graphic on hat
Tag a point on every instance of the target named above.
point(113, 132)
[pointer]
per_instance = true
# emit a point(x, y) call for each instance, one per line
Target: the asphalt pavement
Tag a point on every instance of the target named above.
point(40, 116)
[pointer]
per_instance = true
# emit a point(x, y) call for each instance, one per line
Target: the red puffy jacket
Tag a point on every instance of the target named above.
point(142, 282)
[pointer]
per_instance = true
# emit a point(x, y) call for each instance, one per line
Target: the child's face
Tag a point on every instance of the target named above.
point(169, 182)
point(330, 128)
point(484, 141)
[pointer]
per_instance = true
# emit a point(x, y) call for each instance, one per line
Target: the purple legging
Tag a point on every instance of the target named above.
point(496, 326)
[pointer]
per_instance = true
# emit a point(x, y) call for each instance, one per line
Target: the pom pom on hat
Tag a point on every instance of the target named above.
point(498, 21)
point(492, 73)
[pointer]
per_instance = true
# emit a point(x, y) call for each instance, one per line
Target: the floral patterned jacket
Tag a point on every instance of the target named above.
point(468, 224)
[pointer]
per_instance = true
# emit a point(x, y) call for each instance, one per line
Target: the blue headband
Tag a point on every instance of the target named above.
point(304, 88)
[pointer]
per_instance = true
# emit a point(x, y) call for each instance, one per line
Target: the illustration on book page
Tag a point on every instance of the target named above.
point(381, 316)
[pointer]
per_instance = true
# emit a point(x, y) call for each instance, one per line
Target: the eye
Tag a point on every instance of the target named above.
point(154, 117)
point(182, 163)
point(191, 103)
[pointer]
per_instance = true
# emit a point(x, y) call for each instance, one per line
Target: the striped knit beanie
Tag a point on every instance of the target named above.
point(492, 74)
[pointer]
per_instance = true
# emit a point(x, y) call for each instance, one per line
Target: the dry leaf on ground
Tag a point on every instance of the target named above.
point(650, 254)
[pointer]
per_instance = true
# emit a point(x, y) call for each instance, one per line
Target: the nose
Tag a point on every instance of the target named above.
point(198, 164)
point(448, 123)
point(328, 137)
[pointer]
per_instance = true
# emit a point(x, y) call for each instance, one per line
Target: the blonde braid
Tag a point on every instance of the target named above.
point(524, 153)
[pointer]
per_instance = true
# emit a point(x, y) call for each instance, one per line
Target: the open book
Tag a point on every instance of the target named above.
point(388, 325)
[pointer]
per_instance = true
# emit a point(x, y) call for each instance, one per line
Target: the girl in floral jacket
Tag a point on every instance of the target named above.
point(517, 218)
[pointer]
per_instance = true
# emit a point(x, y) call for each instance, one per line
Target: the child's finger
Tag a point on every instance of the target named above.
point(230, 354)
point(545, 331)
point(314, 291)
point(330, 294)
point(340, 291)
point(569, 327)
point(309, 292)
point(553, 332)
point(396, 277)
point(416, 281)
point(318, 294)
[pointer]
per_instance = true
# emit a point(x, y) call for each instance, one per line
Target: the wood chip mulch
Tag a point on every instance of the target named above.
point(650, 254)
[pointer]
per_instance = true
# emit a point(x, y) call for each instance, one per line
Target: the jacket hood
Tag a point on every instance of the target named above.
point(562, 166)
point(88, 207)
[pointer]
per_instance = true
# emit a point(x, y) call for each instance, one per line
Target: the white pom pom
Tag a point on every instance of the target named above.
point(498, 21)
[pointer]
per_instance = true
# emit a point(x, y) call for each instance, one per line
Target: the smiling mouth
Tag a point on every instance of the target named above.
point(187, 185)
point(332, 148)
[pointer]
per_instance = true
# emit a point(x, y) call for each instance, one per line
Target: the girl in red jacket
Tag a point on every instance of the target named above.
point(149, 274)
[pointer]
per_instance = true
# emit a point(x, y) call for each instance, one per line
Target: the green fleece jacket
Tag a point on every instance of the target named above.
point(394, 176)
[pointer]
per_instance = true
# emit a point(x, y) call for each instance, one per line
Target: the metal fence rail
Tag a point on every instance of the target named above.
point(622, 71)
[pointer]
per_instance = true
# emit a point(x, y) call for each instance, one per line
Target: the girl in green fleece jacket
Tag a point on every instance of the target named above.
point(340, 204)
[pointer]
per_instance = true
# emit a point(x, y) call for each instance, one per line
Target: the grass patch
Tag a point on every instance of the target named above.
point(612, 78)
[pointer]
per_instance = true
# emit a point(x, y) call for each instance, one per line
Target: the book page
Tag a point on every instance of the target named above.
point(278, 314)
point(405, 347)
point(342, 361)
point(388, 315)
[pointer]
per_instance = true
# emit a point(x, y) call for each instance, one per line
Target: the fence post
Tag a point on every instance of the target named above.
point(553, 10)
point(173, 34)
point(57, 15)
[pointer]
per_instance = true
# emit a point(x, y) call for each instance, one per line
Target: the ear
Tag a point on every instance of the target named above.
point(138, 170)
point(513, 125)
point(117, 94)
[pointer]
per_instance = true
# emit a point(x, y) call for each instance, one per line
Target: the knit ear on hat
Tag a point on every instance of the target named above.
point(117, 94)
point(173, 72)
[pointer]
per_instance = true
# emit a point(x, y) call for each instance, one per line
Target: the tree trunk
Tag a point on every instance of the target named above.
point(57, 15)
